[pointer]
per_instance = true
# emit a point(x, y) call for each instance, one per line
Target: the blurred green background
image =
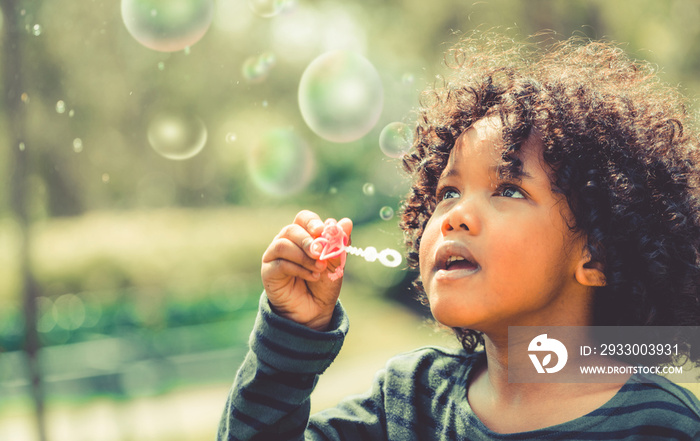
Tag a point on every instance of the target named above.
point(150, 150)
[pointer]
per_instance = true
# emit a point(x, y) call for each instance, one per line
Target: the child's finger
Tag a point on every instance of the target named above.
point(300, 237)
point(280, 269)
point(293, 245)
point(310, 221)
point(346, 225)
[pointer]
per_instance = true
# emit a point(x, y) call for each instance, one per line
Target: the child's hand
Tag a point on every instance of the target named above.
point(294, 280)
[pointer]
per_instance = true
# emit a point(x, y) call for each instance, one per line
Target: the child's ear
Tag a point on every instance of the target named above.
point(590, 272)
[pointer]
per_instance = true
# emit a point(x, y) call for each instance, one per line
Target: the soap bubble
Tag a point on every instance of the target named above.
point(167, 25)
point(368, 189)
point(60, 106)
point(36, 30)
point(407, 79)
point(386, 212)
point(257, 68)
point(177, 136)
point(77, 145)
point(341, 96)
point(281, 163)
point(267, 8)
point(395, 139)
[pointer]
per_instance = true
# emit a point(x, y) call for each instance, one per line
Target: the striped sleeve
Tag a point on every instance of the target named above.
point(270, 394)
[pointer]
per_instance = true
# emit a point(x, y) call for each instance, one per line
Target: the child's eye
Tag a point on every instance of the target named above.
point(447, 193)
point(510, 191)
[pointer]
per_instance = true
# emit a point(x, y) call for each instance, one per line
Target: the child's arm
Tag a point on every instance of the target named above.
point(298, 333)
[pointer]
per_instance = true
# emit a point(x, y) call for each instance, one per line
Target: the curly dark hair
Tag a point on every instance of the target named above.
point(622, 151)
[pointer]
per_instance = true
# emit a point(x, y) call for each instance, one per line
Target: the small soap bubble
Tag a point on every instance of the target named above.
point(395, 139)
point(267, 8)
point(105, 177)
point(161, 66)
point(71, 113)
point(231, 137)
point(407, 79)
point(368, 189)
point(36, 30)
point(268, 59)
point(60, 106)
point(341, 96)
point(22, 146)
point(176, 135)
point(333, 190)
point(281, 163)
point(77, 145)
point(386, 213)
point(252, 71)
point(187, 50)
point(256, 69)
point(167, 26)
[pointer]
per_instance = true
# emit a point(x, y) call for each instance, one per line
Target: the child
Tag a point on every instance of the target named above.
point(549, 188)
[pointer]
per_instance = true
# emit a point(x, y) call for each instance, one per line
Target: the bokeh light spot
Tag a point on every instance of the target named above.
point(341, 96)
point(69, 312)
point(167, 25)
point(395, 139)
point(177, 136)
point(281, 163)
point(45, 311)
point(368, 189)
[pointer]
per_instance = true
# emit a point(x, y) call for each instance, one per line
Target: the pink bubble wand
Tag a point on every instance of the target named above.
point(333, 242)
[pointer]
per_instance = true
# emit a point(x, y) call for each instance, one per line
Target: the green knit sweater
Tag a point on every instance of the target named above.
point(420, 395)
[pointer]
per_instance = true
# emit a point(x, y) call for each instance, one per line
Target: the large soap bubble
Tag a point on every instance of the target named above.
point(167, 25)
point(281, 163)
point(341, 96)
point(395, 139)
point(176, 135)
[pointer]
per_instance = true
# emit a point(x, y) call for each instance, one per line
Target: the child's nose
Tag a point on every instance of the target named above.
point(461, 217)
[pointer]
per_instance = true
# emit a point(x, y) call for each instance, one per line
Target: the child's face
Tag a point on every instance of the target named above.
point(521, 257)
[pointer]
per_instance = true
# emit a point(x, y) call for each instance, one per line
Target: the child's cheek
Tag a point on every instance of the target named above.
point(426, 250)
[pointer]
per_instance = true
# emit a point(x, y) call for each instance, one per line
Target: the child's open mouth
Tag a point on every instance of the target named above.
point(459, 263)
point(454, 259)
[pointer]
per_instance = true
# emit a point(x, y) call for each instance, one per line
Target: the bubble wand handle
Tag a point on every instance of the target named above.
point(333, 242)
